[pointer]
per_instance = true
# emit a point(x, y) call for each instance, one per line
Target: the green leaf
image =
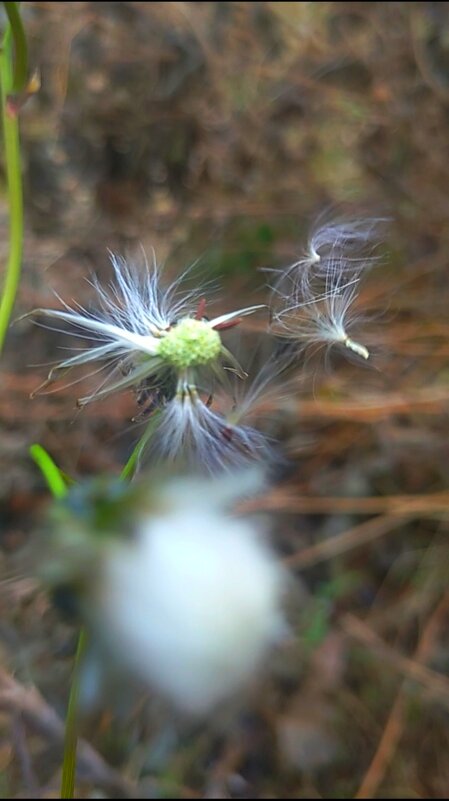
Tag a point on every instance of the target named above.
point(54, 477)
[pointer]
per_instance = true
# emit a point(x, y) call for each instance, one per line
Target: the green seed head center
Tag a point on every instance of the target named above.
point(190, 343)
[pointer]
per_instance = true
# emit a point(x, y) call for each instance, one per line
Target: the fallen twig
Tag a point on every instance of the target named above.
point(28, 703)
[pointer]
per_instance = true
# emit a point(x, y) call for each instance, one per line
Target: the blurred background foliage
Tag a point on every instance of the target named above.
point(219, 132)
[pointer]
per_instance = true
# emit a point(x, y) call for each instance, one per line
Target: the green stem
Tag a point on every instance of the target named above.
point(20, 46)
point(131, 465)
point(14, 187)
point(71, 723)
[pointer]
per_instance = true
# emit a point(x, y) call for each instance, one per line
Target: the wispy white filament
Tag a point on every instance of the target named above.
point(190, 431)
point(313, 300)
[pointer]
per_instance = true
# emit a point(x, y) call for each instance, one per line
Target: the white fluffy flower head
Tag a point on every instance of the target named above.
point(179, 590)
point(159, 341)
point(143, 331)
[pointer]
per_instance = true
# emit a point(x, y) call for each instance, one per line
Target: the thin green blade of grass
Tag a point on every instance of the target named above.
point(71, 723)
point(55, 479)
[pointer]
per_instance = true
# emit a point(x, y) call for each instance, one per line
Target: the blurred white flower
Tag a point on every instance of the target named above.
point(192, 603)
point(313, 300)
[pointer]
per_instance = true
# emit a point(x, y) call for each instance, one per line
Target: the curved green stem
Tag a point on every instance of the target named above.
point(14, 185)
point(20, 46)
point(133, 461)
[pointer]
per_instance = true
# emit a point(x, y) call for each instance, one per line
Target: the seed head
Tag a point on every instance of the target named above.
point(191, 343)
